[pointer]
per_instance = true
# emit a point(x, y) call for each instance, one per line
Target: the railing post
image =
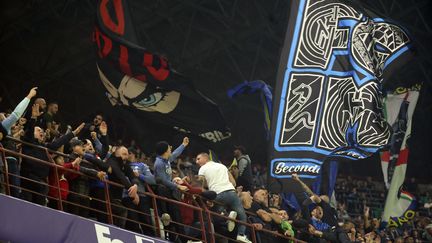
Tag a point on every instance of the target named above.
point(5, 171)
point(203, 231)
point(150, 193)
point(209, 220)
point(59, 202)
point(56, 177)
point(108, 204)
point(253, 234)
point(155, 210)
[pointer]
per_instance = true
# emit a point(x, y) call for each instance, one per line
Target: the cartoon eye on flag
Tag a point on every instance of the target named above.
point(144, 81)
point(327, 100)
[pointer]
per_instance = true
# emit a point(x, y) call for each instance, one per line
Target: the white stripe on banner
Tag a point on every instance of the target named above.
point(396, 207)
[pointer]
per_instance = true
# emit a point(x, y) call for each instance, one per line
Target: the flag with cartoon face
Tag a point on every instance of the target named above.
point(144, 81)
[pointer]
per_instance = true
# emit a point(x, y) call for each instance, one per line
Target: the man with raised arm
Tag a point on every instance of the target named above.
point(35, 191)
point(5, 129)
point(217, 178)
point(7, 123)
point(322, 218)
point(163, 174)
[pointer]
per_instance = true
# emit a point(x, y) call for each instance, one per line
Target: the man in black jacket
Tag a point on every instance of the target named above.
point(121, 173)
point(35, 189)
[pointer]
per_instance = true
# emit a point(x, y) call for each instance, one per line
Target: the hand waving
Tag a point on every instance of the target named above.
point(35, 111)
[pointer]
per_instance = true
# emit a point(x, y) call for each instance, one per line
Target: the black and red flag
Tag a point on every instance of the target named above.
point(144, 81)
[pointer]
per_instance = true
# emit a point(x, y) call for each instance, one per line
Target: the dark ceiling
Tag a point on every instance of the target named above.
point(217, 43)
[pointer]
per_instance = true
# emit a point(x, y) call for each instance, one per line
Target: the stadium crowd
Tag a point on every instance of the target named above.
point(236, 191)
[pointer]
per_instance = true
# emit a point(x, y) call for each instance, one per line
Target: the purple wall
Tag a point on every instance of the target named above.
point(25, 222)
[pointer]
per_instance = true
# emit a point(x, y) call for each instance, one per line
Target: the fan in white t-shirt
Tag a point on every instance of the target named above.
point(221, 181)
point(217, 176)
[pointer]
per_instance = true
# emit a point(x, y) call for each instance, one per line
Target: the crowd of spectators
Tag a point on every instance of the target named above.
point(236, 192)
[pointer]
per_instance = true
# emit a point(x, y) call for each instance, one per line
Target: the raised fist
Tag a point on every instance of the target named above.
point(185, 141)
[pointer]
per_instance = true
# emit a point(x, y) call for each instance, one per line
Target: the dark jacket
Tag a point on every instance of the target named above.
point(245, 172)
point(78, 183)
point(31, 167)
point(122, 174)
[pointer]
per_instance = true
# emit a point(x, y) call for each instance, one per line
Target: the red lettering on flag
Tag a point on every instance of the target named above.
point(108, 21)
point(103, 48)
point(123, 61)
point(159, 74)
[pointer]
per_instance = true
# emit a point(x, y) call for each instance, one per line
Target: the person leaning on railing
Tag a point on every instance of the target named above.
point(266, 216)
point(95, 150)
point(188, 214)
point(80, 184)
point(217, 178)
point(35, 189)
point(144, 177)
point(122, 174)
point(60, 180)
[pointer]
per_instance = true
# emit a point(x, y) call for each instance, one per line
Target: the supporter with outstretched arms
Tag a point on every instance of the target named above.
point(36, 191)
point(79, 185)
point(321, 217)
point(95, 149)
point(167, 188)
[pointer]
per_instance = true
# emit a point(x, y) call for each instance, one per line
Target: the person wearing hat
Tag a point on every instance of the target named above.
point(80, 184)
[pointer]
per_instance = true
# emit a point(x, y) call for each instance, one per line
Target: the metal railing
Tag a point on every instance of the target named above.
point(199, 207)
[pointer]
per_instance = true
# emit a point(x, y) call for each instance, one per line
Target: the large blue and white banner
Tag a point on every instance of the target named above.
point(25, 222)
point(327, 102)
